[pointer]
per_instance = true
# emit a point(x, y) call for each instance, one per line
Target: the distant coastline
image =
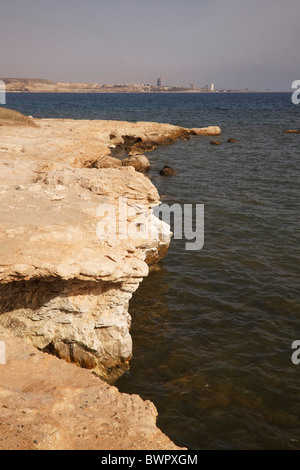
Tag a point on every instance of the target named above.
point(36, 85)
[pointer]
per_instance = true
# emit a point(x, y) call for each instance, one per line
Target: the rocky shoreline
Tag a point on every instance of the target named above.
point(48, 404)
point(63, 290)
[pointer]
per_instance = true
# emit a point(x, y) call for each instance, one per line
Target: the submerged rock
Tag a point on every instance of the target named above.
point(292, 131)
point(233, 141)
point(215, 142)
point(167, 171)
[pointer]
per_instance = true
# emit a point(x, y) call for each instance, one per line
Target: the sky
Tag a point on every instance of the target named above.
point(235, 44)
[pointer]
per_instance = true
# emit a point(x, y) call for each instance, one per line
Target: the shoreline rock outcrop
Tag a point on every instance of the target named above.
point(48, 404)
point(62, 288)
point(67, 273)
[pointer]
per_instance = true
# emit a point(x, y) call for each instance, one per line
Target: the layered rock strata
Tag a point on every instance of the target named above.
point(67, 270)
point(48, 404)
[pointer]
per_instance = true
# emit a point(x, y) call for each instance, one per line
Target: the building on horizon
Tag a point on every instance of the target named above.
point(159, 81)
point(212, 87)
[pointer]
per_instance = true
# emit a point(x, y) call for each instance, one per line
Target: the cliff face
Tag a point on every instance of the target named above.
point(62, 287)
point(66, 277)
point(67, 273)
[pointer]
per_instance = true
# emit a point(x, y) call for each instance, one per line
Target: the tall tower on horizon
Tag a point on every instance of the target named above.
point(212, 87)
point(159, 81)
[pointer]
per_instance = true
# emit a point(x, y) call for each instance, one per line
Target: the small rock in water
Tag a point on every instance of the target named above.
point(292, 131)
point(233, 141)
point(215, 142)
point(167, 171)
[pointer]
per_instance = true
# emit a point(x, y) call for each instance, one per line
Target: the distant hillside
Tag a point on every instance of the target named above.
point(27, 81)
point(37, 85)
point(28, 84)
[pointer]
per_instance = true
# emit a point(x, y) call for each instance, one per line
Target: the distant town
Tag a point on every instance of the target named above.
point(36, 85)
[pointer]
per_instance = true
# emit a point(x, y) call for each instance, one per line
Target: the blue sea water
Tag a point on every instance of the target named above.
point(213, 329)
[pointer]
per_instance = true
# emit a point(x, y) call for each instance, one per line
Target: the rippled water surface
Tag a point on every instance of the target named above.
point(212, 329)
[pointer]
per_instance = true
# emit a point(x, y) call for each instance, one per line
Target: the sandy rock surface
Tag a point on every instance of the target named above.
point(47, 404)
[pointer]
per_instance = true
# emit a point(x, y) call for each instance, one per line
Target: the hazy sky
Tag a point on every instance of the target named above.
point(233, 43)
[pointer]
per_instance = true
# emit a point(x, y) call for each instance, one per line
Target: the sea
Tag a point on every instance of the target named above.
point(215, 330)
